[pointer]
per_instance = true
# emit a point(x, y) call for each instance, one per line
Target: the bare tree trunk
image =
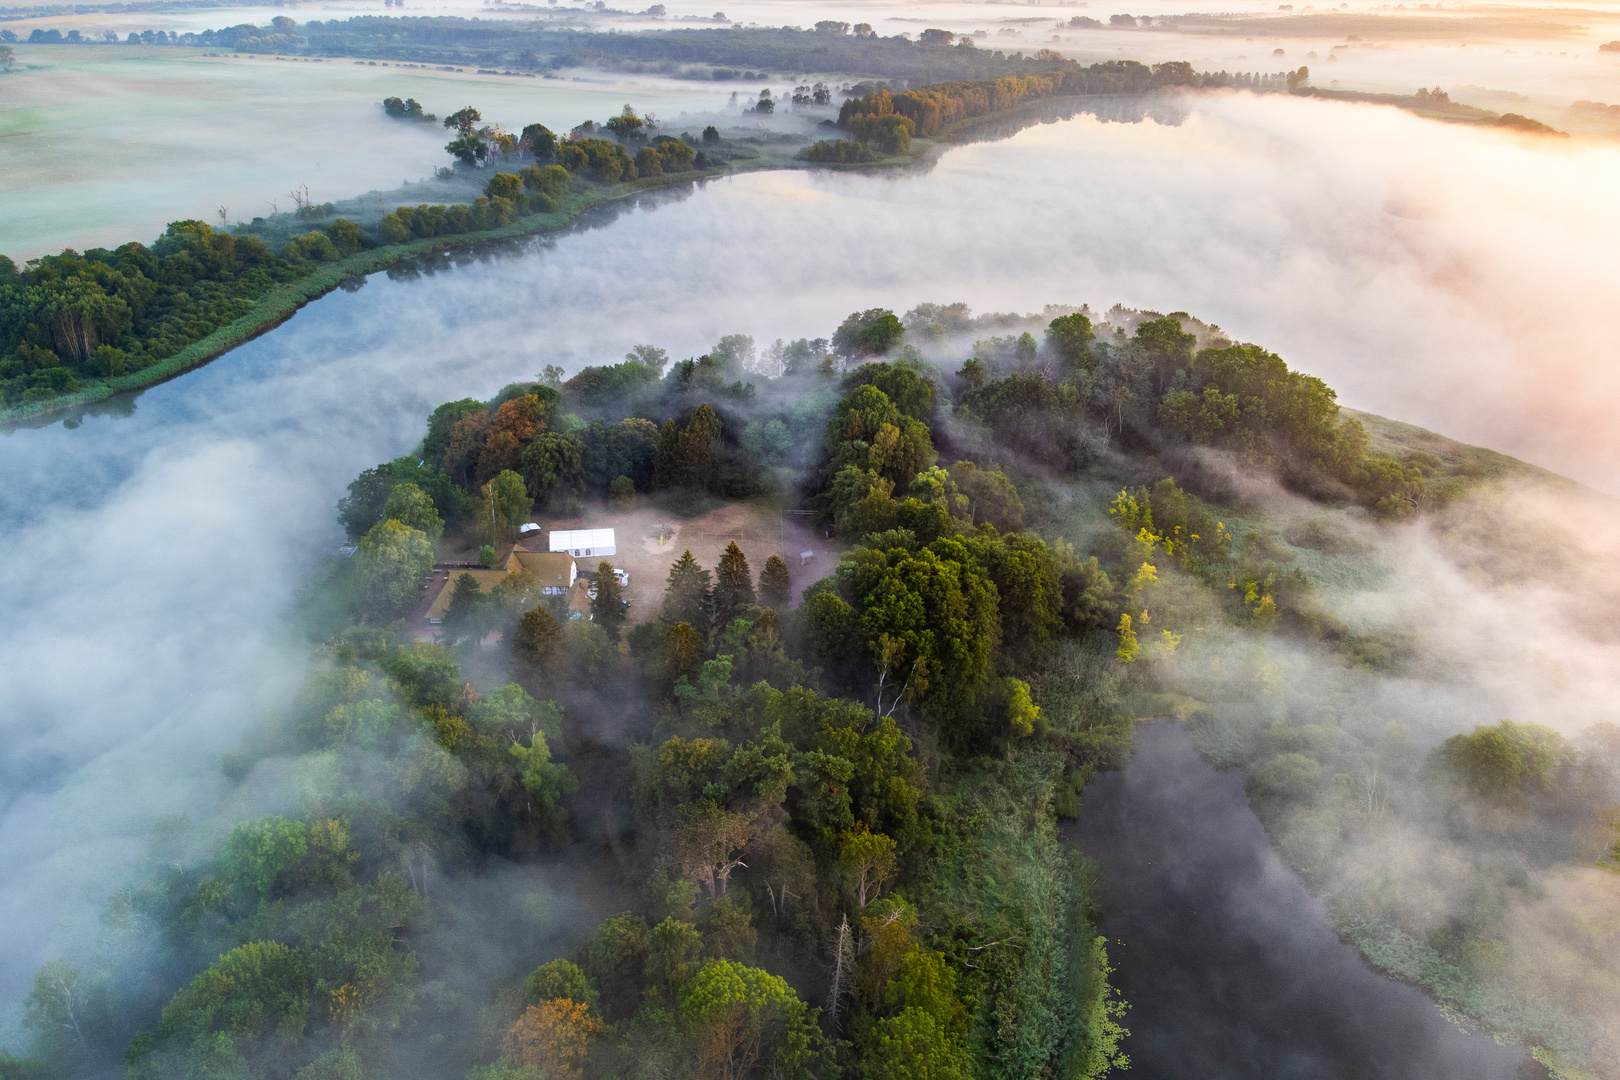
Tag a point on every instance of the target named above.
point(843, 967)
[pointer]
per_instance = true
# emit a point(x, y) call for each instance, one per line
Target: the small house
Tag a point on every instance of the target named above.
point(584, 543)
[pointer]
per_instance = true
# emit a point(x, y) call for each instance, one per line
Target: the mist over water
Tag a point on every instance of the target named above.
point(1450, 277)
point(1230, 966)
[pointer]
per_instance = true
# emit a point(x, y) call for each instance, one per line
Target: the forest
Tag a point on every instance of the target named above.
point(818, 812)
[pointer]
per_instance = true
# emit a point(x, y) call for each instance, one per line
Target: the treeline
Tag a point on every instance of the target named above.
point(278, 36)
point(889, 120)
point(71, 320)
point(787, 50)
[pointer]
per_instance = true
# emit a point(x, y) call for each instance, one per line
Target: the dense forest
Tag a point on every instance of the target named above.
point(819, 816)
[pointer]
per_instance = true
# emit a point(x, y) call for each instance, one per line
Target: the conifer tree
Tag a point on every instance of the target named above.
point(775, 586)
point(687, 594)
point(535, 644)
point(733, 585)
point(697, 449)
point(606, 609)
point(665, 458)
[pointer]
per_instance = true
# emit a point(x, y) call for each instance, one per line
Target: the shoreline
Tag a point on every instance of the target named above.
point(284, 301)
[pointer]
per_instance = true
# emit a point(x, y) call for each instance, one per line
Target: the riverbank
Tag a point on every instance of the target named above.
point(283, 301)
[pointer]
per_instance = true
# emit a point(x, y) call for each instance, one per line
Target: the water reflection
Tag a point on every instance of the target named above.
point(1230, 967)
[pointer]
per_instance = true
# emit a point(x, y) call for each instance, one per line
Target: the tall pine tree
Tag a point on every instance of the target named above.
point(687, 594)
point(606, 609)
point(733, 585)
point(775, 587)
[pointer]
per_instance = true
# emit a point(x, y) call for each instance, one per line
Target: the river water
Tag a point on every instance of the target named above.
point(146, 550)
point(1230, 967)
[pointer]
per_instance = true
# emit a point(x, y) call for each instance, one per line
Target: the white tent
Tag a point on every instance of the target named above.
point(584, 543)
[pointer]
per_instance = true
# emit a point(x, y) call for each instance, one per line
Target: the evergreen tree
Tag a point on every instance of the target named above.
point(462, 601)
point(733, 586)
point(664, 456)
point(775, 586)
point(687, 594)
point(535, 644)
point(697, 449)
point(606, 609)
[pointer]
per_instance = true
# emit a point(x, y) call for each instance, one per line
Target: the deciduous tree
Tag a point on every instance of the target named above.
point(390, 565)
point(555, 1035)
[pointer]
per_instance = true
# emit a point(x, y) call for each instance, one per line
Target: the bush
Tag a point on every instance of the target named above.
point(1286, 776)
point(841, 152)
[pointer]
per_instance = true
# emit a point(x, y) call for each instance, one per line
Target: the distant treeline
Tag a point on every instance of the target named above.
point(504, 43)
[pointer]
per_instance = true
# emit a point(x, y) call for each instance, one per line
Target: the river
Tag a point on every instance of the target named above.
point(146, 550)
point(1230, 967)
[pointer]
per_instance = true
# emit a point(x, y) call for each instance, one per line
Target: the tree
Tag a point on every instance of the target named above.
point(537, 639)
point(868, 857)
point(257, 852)
point(1069, 338)
point(607, 609)
point(56, 1009)
point(554, 470)
point(733, 584)
point(710, 841)
point(410, 505)
point(737, 1015)
point(556, 1036)
point(687, 594)
point(1022, 712)
point(683, 651)
point(689, 462)
point(914, 1046)
point(391, 563)
point(622, 492)
point(936, 37)
point(546, 782)
point(1129, 648)
point(735, 353)
point(465, 120)
point(652, 356)
point(560, 979)
point(775, 586)
point(1504, 763)
point(626, 126)
point(538, 142)
point(470, 150)
point(503, 185)
point(506, 505)
point(868, 333)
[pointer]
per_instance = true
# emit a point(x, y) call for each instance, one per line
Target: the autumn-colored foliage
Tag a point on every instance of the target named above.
point(555, 1035)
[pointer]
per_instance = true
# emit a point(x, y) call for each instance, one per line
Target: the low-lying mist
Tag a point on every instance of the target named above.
point(145, 557)
point(1499, 606)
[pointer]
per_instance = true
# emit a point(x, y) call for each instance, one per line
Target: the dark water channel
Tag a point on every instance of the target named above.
point(1230, 966)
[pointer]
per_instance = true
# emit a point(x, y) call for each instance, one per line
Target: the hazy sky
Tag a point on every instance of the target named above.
point(1457, 278)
